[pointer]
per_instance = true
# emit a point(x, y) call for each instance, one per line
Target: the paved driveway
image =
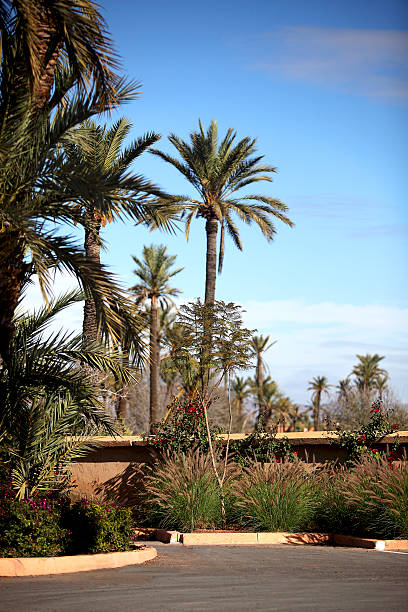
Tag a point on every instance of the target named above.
point(222, 578)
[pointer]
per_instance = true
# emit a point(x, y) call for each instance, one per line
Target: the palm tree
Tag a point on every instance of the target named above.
point(260, 344)
point(241, 390)
point(218, 171)
point(49, 51)
point(318, 385)
point(49, 408)
point(381, 385)
point(154, 272)
point(344, 388)
point(367, 372)
point(98, 168)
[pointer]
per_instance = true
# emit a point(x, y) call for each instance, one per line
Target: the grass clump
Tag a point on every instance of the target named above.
point(369, 499)
point(274, 497)
point(182, 493)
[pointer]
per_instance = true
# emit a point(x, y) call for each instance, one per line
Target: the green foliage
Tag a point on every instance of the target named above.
point(218, 171)
point(182, 493)
point(362, 441)
point(186, 428)
point(30, 527)
point(263, 447)
point(99, 527)
point(274, 497)
point(48, 405)
point(368, 499)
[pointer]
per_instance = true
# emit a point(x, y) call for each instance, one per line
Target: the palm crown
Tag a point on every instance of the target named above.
point(218, 171)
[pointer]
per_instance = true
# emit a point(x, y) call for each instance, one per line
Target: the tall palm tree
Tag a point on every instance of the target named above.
point(241, 390)
point(98, 168)
point(344, 388)
point(319, 385)
point(218, 171)
point(56, 71)
point(367, 372)
point(155, 273)
point(260, 344)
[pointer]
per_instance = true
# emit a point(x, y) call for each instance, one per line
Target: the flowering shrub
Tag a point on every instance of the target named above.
point(99, 527)
point(186, 429)
point(362, 441)
point(30, 527)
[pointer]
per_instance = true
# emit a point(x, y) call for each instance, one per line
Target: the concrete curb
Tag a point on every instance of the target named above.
point(265, 537)
point(355, 542)
point(40, 566)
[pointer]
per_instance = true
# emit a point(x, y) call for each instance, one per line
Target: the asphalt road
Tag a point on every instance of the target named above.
point(283, 578)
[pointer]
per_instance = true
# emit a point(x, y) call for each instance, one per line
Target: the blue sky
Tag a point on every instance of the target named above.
point(324, 88)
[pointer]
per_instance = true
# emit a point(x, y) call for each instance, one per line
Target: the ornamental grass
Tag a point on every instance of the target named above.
point(274, 497)
point(369, 499)
point(182, 493)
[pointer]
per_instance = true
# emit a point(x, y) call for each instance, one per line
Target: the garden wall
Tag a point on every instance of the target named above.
point(112, 470)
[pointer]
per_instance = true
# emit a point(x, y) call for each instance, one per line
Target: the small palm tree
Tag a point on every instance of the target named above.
point(218, 171)
point(241, 390)
point(367, 372)
point(260, 344)
point(319, 385)
point(154, 272)
point(49, 407)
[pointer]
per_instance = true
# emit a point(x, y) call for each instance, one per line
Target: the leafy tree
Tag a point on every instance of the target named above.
point(48, 406)
point(319, 385)
point(155, 273)
point(218, 171)
point(230, 352)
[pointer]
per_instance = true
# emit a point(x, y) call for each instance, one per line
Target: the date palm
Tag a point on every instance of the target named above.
point(48, 407)
point(56, 71)
point(219, 171)
point(155, 273)
point(241, 390)
point(260, 344)
point(367, 372)
point(319, 385)
point(98, 168)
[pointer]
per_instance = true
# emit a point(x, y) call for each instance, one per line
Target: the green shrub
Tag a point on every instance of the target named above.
point(182, 493)
point(274, 497)
point(99, 527)
point(30, 527)
point(369, 499)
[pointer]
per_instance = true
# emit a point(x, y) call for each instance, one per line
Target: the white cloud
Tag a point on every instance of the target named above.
point(323, 339)
point(373, 63)
point(313, 339)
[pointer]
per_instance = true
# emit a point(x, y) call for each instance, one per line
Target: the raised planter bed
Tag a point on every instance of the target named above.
point(40, 566)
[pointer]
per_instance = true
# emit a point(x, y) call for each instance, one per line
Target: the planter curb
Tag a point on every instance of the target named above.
point(41, 566)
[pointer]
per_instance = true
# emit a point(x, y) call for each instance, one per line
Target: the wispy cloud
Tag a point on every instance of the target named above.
point(313, 339)
point(324, 338)
point(372, 63)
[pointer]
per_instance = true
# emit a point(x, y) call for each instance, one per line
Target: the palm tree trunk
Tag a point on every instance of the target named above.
point(93, 255)
point(154, 362)
point(211, 228)
point(316, 413)
point(12, 273)
point(259, 386)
